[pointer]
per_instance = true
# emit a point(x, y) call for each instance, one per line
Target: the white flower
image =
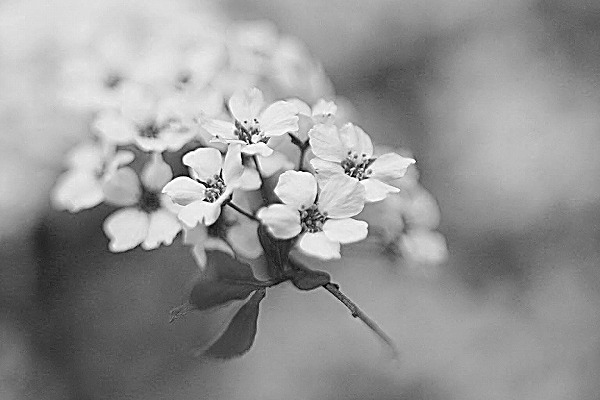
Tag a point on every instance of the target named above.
point(201, 241)
point(422, 246)
point(90, 165)
point(148, 122)
point(323, 221)
point(349, 151)
point(323, 112)
point(254, 127)
point(215, 180)
point(146, 218)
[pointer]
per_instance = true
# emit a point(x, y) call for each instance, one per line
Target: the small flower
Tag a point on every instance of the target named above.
point(323, 112)
point(323, 220)
point(146, 218)
point(254, 127)
point(90, 165)
point(349, 151)
point(150, 123)
point(215, 179)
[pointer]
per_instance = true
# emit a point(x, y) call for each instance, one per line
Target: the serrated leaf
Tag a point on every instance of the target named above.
point(308, 279)
point(239, 335)
point(276, 251)
point(225, 279)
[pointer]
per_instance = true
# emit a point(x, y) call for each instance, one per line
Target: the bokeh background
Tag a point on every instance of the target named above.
point(498, 100)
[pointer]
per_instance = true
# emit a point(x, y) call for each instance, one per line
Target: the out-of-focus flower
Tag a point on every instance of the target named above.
point(251, 45)
point(423, 246)
point(146, 218)
point(323, 223)
point(215, 180)
point(89, 166)
point(201, 241)
point(349, 151)
point(254, 127)
point(151, 123)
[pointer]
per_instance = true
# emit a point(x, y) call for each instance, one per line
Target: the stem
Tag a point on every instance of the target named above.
point(241, 211)
point(334, 289)
point(301, 162)
point(262, 179)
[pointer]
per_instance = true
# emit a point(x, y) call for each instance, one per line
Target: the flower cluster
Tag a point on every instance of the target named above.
point(221, 144)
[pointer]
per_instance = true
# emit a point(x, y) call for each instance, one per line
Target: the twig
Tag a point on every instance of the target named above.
point(334, 289)
point(262, 179)
point(241, 211)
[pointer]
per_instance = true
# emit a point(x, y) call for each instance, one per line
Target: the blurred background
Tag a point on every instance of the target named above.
point(499, 103)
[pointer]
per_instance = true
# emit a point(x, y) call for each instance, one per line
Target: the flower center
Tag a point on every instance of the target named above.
point(357, 166)
point(312, 220)
point(249, 132)
point(215, 187)
point(149, 201)
point(150, 130)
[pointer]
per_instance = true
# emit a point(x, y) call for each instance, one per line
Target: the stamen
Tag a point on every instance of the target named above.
point(150, 130)
point(215, 187)
point(149, 201)
point(312, 220)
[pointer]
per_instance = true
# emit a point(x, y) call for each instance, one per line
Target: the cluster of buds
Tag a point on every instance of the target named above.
point(250, 177)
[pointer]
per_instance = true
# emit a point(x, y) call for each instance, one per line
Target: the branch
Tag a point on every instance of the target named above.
point(262, 180)
point(334, 289)
point(241, 211)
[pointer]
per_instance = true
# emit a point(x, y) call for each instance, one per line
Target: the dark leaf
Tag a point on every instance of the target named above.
point(276, 251)
point(239, 335)
point(307, 279)
point(224, 280)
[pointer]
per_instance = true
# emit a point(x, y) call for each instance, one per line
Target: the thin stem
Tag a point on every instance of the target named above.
point(334, 289)
point(262, 179)
point(302, 153)
point(241, 211)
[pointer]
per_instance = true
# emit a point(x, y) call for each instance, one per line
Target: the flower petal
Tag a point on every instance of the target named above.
point(232, 166)
point(297, 189)
point(156, 173)
point(162, 229)
point(86, 156)
point(324, 170)
point(206, 162)
point(324, 110)
point(200, 212)
point(250, 179)
point(375, 190)
point(244, 239)
point(424, 247)
point(122, 188)
point(282, 220)
point(77, 190)
point(356, 140)
point(274, 163)
point(260, 149)
point(220, 129)
point(325, 143)
point(245, 105)
point(346, 230)
point(183, 190)
point(126, 229)
point(342, 197)
point(278, 119)
point(115, 128)
point(318, 245)
point(390, 166)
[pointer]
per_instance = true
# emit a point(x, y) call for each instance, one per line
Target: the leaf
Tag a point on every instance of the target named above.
point(307, 279)
point(276, 251)
point(239, 335)
point(225, 279)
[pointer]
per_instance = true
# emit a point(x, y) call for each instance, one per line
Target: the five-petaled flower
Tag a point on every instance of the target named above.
point(215, 179)
point(253, 127)
point(349, 151)
point(148, 218)
point(322, 219)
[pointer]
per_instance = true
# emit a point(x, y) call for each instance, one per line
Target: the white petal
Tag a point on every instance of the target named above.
point(260, 149)
point(87, 156)
point(244, 239)
point(342, 197)
point(325, 169)
point(126, 229)
point(200, 212)
point(199, 254)
point(115, 128)
point(220, 129)
point(245, 105)
point(424, 247)
point(232, 166)
point(325, 143)
point(346, 230)
point(156, 173)
point(183, 190)
point(375, 190)
point(206, 162)
point(318, 245)
point(297, 189)
point(355, 139)
point(77, 190)
point(279, 118)
point(151, 144)
point(195, 235)
point(390, 166)
point(302, 107)
point(274, 163)
point(250, 179)
point(323, 110)
point(282, 221)
point(177, 137)
point(122, 188)
point(162, 229)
